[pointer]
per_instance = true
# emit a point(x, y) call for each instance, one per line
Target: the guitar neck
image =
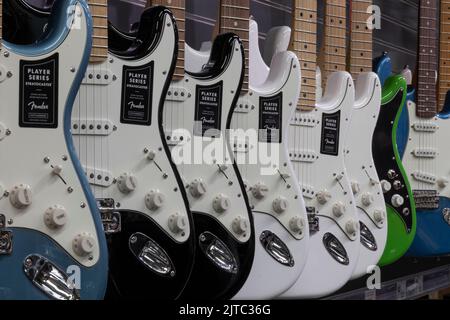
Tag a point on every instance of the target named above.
point(178, 8)
point(444, 62)
point(99, 12)
point(361, 38)
point(428, 60)
point(335, 42)
point(304, 45)
point(235, 18)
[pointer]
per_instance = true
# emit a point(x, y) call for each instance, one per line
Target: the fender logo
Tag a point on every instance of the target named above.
point(34, 106)
point(132, 105)
point(208, 121)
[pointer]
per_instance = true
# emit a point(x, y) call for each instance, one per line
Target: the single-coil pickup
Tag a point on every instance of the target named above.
point(244, 107)
point(424, 177)
point(177, 94)
point(175, 138)
point(425, 153)
point(304, 120)
point(92, 127)
point(98, 177)
point(425, 127)
point(240, 146)
point(98, 77)
point(307, 156)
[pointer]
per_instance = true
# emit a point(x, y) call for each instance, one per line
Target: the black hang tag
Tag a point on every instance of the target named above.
point(330, 134)
point(208, 110)
point(271, 119)
point(137, 95)
point(38, 93)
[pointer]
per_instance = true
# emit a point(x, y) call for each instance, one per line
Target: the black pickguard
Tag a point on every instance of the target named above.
point(384, 158)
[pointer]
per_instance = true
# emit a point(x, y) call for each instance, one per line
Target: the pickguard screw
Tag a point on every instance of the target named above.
point(165, 176)
point(6, 194)
point(83, 205)
point(145, 150)
point(133, 239)
point(202, 238)
point(91, 258)
point(164, 72)
point(8, 132)
point(111, 60)
point(118, 204)
point(72, 69)
point(46, 159)
point(172, 274)
point(9, 74)
point(114, 78)
point(114, 128)
point(64, 158)
point(169, 24)
point(28, 262)
point(230, 183)
point(6, 54)
point(69, 189)
point(10, 221)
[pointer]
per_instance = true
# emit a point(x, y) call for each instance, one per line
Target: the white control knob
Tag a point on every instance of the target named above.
point(338, 209)
point(297, 224)
point(386, 186)
point(240, 225)
point(20, 196)
point(83, 244)
point(323, 196)
point(367, 199)
point(221, 203)
point(352, 226)
point(155, 200)
point(280, 205)
point(151, 155)
point(397, 200)
point(356, 188)
point(57, 169)
point(55, 217)
point(127, 183)
point(442, 182)
point(260, 190)
point(379, 216)
point(177, 223)
point(197, 188)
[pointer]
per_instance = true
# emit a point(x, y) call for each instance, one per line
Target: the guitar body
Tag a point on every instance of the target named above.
point(198, 112)
point(117, 130)
point(363, 174)
point(51, 229)
point(317, 153)
point(278, 209)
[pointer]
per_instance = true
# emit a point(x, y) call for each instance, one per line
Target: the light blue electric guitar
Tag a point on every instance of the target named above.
point(52, 245)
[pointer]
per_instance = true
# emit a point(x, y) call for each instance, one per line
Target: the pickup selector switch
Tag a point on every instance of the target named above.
point(260, 191)
point(127, 183)
point(55, 217)
point(21, 196)
point(197, 188)
point(240, 225)
point(83, 244)
point(221, 203)
point(177, 223)
point(367, 199)
point(280, 205)
point(155, 200)
point(392, 174)
point(386, 186)
point(397, 200)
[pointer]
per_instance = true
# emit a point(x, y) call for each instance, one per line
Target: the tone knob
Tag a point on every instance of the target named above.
point(338, 209)
point(280, 205)
point(83, 244)
point(177, 223)
point(151, 155)
point(397, 200)
point(397, 185)
point(379, 216)
point(352, 226)
point(221, 203)
point(442, 182)
point(356, 188)
point(55, 217)
point(260, 190)
point(297, 224)
point(21, 196)
point(127, 183)
point(367, 199)
point(386, 186)
point(240, 225)
point(197, 188)
point(155, 200)
point(323, 196)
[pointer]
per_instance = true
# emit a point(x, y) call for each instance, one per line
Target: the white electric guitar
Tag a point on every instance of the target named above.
point(317, 147)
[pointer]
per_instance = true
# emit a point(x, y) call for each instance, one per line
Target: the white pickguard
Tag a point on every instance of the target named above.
point(28, 154)
point(324, 177)
point(109, 148)
point(216, 180)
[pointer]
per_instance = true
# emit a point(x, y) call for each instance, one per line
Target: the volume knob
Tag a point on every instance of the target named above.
point(397, 200)
point(177, 223)
point(155, 200)
point(339, 209)
point(127, 183)
point(55, 217)
point(367, 199)
point(260, 190)
point(83, 244)
point(221, 203)
point(21, 196)
point(386, 186)
point(197, 188)
point(240, 225)
point(280, 205)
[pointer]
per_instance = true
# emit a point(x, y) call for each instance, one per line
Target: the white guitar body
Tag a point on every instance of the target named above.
point(279, 212)
point(124, 156)
point(317, 141)
point(196, 60)
point(366, 186)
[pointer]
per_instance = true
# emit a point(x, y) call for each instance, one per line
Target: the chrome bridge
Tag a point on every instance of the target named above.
point(426, 199)
point(111, 219)
point(6, 245)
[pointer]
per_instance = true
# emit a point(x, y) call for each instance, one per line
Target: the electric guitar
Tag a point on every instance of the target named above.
point(359, 158)
point(425, 157)
point(52, 241)
point(196, 120)
point(319, 128)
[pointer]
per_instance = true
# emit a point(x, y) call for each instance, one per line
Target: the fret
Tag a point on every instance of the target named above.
point(304, 45)
point(444, 60)
point(99, 13)
point(361, 43)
